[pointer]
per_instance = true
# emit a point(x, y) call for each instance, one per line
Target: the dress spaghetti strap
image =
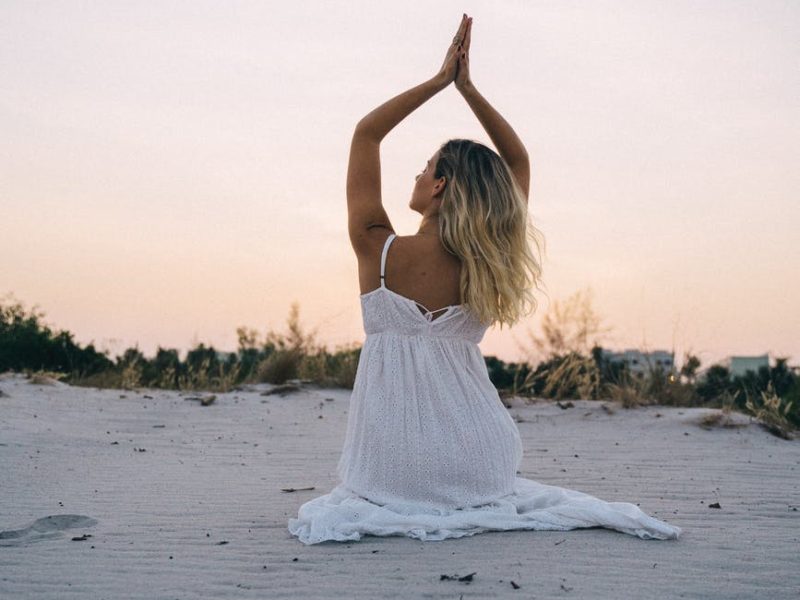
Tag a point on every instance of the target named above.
point(386, 245)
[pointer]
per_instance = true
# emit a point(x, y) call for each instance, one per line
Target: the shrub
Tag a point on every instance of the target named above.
point(772, 412)
point(279, 366)
point(27, 343)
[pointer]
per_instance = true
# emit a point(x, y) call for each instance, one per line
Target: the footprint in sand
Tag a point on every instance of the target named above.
point(46, 528)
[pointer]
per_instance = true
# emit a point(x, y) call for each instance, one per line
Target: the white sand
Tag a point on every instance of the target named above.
point(214, 473)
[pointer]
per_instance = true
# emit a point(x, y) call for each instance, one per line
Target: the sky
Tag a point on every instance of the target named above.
point(170, 171)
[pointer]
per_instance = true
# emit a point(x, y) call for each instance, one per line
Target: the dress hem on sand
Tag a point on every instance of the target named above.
point(343, 515)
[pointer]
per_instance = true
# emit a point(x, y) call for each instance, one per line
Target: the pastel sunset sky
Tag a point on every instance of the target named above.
point(170, 171)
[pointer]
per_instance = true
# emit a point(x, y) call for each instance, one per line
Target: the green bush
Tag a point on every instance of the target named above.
point(26, 343)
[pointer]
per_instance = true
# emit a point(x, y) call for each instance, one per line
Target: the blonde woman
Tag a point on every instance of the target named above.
point(430, 451)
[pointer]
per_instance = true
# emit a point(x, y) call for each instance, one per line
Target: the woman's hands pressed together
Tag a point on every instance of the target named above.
point(462, 79)
point(452, 60)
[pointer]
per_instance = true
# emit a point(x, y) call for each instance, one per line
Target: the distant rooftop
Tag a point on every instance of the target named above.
point(639, 362)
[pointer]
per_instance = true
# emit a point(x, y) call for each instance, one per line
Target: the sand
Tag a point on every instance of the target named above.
point(146, 494)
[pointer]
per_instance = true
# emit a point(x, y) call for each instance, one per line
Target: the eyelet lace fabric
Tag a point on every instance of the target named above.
point(430, 451)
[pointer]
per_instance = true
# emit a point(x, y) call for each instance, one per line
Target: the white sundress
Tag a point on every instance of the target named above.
point(430, 450)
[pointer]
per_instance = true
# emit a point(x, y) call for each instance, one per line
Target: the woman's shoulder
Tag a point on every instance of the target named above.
point(404, 249)
point(420, 247)
point(370, 241)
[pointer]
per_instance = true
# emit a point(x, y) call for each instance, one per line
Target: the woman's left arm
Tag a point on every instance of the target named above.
point(382, 120)
point(364, 205)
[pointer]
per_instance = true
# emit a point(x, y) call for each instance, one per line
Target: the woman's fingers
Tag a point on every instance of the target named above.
point(462, 76)
point(458, 41)
point(462, 29)
point(456, 49)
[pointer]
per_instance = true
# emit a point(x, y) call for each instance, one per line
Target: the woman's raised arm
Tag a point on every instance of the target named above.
point(382, 120)
point(364, 204)
point(501, 133)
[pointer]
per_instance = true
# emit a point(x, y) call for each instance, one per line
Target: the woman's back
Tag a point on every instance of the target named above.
point(417, 267)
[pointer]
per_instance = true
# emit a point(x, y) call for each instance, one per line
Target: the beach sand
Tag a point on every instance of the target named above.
point(147, 494)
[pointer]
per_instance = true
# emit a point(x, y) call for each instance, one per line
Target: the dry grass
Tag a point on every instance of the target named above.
point(343, 366)
point(103, 380)
point(44, 377)
point(719, 419)
point(630, 391)
point(571, 370)
point(131, 376)
point(576, 375)
point(771, 412)
point(652, 387)
point(282, 357)
point(203, 378)
point(568, 331)
point(569, 326)
point(279, 367)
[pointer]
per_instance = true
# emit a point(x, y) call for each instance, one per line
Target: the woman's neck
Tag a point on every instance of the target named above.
point(429, 225)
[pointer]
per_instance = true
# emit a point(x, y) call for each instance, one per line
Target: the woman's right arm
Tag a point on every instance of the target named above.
point(504, 138)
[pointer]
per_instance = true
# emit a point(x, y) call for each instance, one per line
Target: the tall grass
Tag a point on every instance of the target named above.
point(772, 412)
point(30, 346)
point(565, 362)
point(566, 366)
point(570, 368)
point(296, 354)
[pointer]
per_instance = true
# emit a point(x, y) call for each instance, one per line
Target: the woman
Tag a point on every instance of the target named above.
point(430, 451)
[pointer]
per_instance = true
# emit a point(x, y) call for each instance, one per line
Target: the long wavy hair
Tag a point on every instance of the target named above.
point(483, 220)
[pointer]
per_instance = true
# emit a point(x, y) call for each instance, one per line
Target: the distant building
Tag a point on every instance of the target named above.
point(739, 365)
point(642, 362)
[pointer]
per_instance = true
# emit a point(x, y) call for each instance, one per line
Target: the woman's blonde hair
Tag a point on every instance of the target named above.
point(483, 220)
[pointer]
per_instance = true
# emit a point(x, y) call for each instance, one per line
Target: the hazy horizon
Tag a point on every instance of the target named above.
point(173, 171)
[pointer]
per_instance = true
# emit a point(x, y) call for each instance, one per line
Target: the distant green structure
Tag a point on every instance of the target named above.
point(739, 365)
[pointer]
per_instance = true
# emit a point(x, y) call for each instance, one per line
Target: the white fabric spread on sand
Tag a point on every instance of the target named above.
point(431, 451)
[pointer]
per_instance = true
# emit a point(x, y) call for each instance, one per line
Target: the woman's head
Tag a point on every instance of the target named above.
point(427, 190)
point(483, 219)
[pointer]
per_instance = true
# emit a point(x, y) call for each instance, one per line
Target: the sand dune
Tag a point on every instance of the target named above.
point(147, 494)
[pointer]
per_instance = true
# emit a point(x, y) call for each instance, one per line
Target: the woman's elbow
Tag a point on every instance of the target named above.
point(365, 129)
